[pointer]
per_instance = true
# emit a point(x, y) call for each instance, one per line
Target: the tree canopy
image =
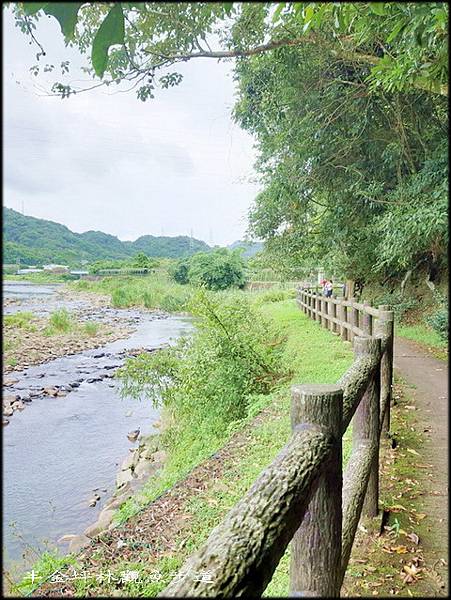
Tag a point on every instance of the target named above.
point(403, 44)
point(347, 103)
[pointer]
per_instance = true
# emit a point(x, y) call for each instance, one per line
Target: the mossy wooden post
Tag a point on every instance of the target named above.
point(333, 325)
point(309, 302)
point(319, 308)
point(343, 318)
point(367, 321)
point(365, 426)
point(384, 327)
point(316, 546)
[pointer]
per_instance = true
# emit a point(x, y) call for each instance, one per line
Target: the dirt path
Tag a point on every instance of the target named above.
point(429, 380)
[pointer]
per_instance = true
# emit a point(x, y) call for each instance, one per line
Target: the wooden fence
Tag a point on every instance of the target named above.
point(304, 497)
point(267, 285)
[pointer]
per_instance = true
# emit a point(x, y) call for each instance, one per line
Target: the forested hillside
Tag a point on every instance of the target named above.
point(35, 241)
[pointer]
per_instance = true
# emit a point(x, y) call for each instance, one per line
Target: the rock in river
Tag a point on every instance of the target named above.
point(133, 435)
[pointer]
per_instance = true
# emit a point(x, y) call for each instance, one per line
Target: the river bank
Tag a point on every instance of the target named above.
point(64, 456)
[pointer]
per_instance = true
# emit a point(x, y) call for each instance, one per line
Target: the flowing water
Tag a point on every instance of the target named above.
point(59, 450)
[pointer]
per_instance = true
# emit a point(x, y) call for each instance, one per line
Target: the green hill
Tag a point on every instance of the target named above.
point(29, 240)
point(250, 249)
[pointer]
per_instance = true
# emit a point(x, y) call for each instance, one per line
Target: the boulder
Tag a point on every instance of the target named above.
point(50, 391)
point(18, 405)
point(130, 461)
point(8, 411)
point(9, 399)
point(160, 456)
point(78, 543)
point(123, 477)
point(113, 503)
point(105, 518)
point(66, 538)
point(145, 468)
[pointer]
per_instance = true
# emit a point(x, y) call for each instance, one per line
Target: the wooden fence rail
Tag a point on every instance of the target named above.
point(303, 496)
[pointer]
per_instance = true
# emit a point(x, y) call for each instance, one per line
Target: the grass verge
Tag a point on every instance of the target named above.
point(425, 337)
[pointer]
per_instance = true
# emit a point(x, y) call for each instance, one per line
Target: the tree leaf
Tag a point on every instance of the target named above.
point(30, 8)
point(66, 14)
point(396, 30)
point(110, 32)
point(378, 8)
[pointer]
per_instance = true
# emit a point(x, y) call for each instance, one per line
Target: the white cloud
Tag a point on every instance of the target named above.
point(104, 160)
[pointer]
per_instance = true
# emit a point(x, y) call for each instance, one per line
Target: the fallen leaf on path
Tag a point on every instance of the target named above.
point(420, 516)
point(399, 549)
point(413, 536)
point(413, 452)
point(397, 508)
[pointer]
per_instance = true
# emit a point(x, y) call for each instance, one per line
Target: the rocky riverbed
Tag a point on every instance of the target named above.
point(69, 423)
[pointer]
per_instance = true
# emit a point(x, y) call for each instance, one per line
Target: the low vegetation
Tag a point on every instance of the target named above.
point(29, 339)
point(155, 291)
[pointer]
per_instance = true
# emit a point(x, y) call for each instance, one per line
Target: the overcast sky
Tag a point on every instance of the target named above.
point(106, 161)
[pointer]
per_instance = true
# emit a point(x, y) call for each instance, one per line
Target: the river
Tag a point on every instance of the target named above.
point(60, 449)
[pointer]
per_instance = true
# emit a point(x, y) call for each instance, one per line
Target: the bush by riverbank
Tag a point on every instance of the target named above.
point(156, 541)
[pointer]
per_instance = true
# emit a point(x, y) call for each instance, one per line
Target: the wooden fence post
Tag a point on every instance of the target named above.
point(326, 310)
point(309, 303)
point(354, 320)
point(319, 308)
point(316, 546)
point(315, 306)
point(333, 325)
point(384, 326)
point(343, 319)
point(365, 426)
point(367, 321)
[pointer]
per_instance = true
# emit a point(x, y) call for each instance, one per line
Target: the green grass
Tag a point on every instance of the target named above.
point(48, 564)
point(43, 277)
point(60, 321)
point(156, 291)
point(425, 336)
point(90, 328)
point(22, 320)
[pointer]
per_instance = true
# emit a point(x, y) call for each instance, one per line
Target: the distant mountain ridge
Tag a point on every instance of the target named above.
point(250, 248)
point(30, 240)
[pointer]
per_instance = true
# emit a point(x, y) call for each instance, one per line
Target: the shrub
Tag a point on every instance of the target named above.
point(207, 382)
point(180, 272)
point(217, 270)
point(439, 322)
point(275, 296)
point(400, 304)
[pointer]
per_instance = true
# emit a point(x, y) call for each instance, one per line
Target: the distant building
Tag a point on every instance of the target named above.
point(56, 268)
point(26, 271)
point(79, 273)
